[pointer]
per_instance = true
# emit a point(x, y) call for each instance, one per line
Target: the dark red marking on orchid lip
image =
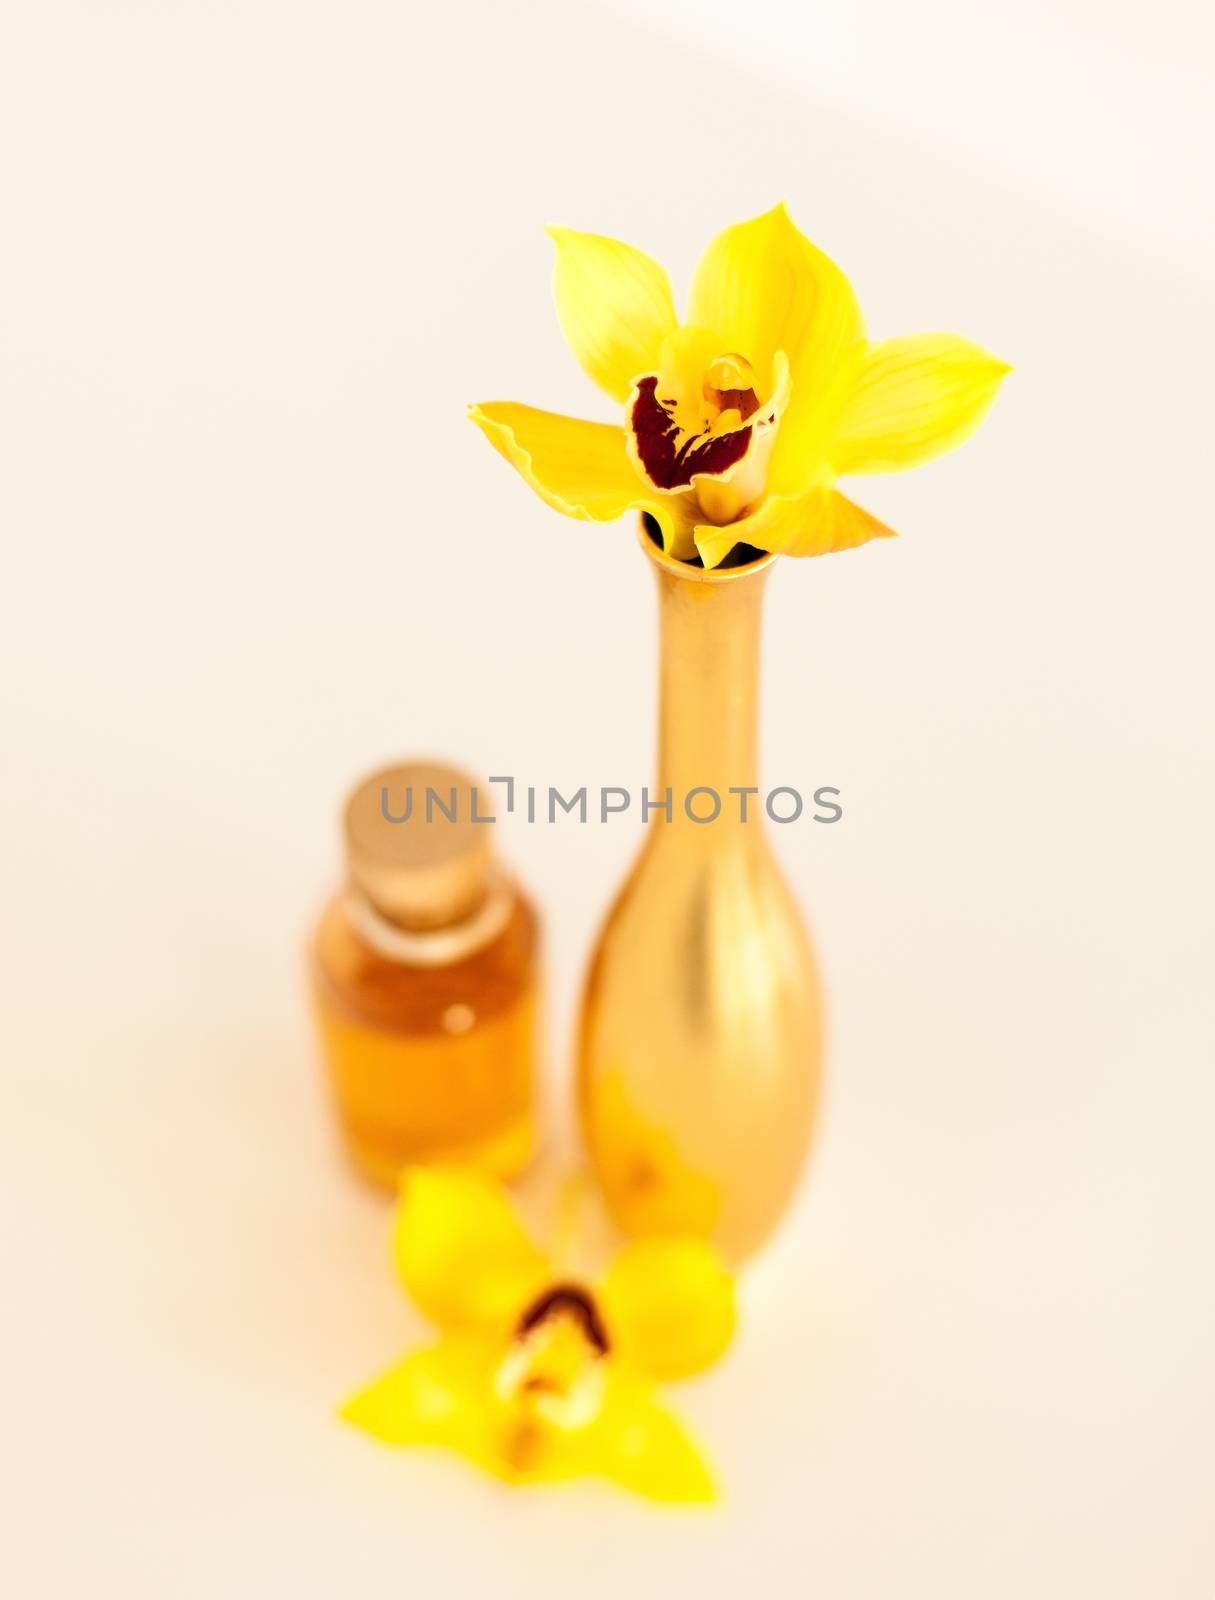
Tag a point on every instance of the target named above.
point(667, 465)
point(568, 1297)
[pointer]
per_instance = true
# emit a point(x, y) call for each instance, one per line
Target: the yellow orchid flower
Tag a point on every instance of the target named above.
point(536, 1376)
point(738, 422)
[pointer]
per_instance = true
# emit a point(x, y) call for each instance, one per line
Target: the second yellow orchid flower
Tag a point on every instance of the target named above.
point(737, 423)
point(536, 1376)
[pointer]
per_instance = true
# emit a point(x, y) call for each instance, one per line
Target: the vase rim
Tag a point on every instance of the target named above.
point(682, 569)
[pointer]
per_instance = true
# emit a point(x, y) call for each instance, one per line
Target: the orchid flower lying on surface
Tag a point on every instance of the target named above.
point(536, 1376)
point(737, 423)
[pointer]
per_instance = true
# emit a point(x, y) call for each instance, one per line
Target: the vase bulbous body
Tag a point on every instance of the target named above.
point(700, 1040)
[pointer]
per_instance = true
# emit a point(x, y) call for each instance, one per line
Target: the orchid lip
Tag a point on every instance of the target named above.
point(668, 462)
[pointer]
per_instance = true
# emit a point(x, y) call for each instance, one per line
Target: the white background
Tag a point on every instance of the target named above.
point(257, 257)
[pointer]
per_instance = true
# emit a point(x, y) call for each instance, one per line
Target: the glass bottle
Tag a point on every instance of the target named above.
point(424, 977)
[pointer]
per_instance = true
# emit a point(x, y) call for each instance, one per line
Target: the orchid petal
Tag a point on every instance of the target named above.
point(582, 469)
point(614, 305)
point(814, 524)
point(440, 1394)
point(462, 1251)
point(638, 1443)
point(765, 287)
point(916, 397)
point(669, 1303)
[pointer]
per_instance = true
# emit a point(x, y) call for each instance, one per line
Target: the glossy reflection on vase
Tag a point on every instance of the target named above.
point(700, 1038)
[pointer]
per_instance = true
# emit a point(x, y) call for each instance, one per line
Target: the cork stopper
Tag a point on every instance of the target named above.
point(413, 846)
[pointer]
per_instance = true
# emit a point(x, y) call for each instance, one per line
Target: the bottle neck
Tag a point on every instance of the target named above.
point(709, 633)
point(434, 947)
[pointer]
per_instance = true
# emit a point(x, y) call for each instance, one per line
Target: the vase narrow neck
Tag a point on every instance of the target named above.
point(709, 635)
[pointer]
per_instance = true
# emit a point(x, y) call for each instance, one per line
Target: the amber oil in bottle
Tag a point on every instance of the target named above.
point(424, 977)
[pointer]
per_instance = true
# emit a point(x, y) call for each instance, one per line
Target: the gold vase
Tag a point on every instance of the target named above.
point(700, 1042)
